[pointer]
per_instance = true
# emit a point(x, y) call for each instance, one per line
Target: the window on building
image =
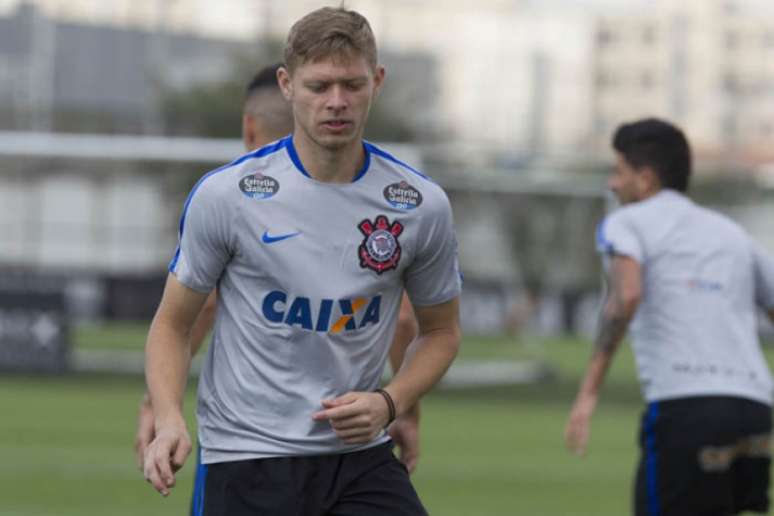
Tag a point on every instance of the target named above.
point(732, 40)
point(648, 35)
point(730, 8)
point(601, 125)
point(646, 80)
point(605, 80)
point(605, 37)
point(729, 126)
point(730, 83)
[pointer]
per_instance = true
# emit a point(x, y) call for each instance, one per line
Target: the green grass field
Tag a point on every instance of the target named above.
point(66, 442)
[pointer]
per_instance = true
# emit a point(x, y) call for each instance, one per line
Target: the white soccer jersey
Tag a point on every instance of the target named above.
point(310, 277)
point(694, 333)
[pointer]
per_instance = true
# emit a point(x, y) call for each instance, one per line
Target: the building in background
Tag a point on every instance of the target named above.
point(503, 75)
point(513, 75)
point(72, 75)
point(707, 64)
point(521, 77)
point(58, 73)
point(506, 100)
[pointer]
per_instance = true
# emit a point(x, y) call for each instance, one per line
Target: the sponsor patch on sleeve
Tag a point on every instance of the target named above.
point(402, 196)
point(259, 186)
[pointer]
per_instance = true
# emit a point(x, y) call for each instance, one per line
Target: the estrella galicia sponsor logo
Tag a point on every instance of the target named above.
point(402, 196)
point(380, 250)
point(324, 315)
point(259, 186)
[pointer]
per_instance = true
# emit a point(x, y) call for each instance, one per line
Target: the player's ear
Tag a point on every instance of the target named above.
point(651, 178)
point(248, 131)
point(379, 74)
point(285, 84)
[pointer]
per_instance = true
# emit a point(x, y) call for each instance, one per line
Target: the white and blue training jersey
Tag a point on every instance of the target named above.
point(310, 277)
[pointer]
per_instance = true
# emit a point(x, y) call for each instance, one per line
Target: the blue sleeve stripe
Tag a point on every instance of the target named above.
point(602, 243)
point(263, 151)
point(389, 157)
point(173, 263)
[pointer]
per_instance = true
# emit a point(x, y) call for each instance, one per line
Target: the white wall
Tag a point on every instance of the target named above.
point(71, 221)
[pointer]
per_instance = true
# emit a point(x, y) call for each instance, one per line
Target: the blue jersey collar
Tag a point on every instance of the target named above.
point(288, 141)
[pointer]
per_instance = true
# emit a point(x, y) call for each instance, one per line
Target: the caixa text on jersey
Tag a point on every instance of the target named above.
point(325, 315)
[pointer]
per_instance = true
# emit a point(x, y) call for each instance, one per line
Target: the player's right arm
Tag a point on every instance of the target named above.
point(204, 250)
point(623, 297)
point(145, 421)
point(167, 360)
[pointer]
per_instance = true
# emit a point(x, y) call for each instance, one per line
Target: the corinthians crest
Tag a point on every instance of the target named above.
point(380, 250)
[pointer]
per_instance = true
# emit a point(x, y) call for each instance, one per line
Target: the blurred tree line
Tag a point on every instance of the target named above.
point(214, 110)
point(203, 109)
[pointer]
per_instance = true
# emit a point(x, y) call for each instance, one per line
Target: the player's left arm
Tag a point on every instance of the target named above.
point(404, 431)
point(405, 333)
point(623, 297)
point(358, 417)
point(429, 356)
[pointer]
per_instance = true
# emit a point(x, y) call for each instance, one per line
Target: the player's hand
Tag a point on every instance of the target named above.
point(166, 454)
point(578, 430)
point(145, 431)
point(356, 417)
point(405, 433)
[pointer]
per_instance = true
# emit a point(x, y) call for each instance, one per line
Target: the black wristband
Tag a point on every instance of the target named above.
point(390, 404)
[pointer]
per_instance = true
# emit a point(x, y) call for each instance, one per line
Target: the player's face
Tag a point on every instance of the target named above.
point(626, 182)
point(331, 98)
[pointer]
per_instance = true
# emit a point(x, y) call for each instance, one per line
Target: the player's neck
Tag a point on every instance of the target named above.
point(339, 165)
point(650, 192)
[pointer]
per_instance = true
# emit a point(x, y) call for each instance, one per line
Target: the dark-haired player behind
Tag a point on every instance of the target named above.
point(690, 281)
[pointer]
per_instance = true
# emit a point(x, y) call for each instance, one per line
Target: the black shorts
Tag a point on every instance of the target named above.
point(370, 482)
point(703, 456)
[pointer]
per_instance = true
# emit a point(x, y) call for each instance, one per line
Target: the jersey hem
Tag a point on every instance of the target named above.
point(214, 457)
point(767, 400)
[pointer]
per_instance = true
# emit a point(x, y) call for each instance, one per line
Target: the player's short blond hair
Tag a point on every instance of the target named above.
point(330, 32)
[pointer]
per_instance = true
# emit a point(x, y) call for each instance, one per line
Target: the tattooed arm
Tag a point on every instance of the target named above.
point(623, 296)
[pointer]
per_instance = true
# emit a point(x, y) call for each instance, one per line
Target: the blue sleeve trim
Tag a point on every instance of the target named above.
point(603, 245)
point(389, 157)
point(263, 151)
point(173, 263)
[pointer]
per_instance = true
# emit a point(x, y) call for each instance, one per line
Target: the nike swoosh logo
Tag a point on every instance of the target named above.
point(268, 239)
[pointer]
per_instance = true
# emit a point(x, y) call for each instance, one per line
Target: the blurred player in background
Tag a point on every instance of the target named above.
point(288, 390)
point(690, 281)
